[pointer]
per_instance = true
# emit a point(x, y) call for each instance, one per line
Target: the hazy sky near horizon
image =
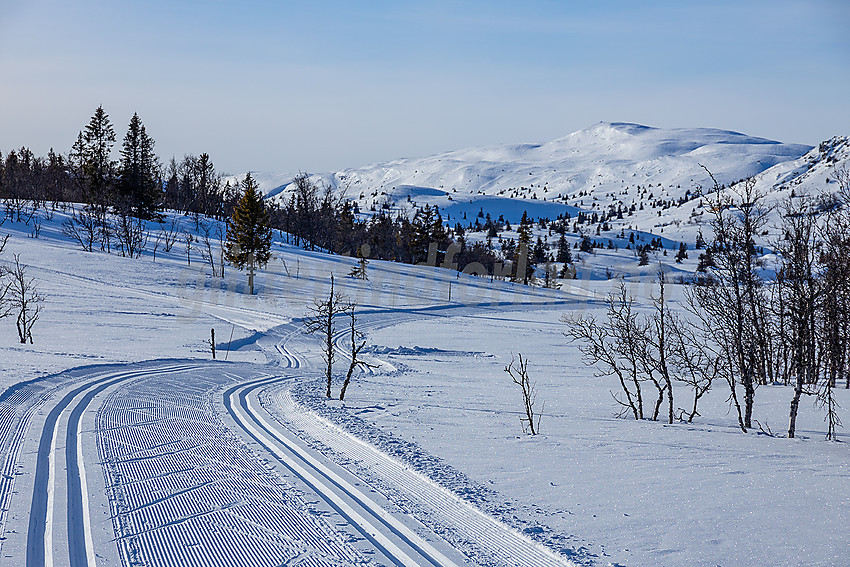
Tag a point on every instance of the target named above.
point(325, 85)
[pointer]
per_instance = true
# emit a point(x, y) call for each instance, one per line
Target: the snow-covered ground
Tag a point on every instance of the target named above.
point(612, 490)
point(592, 488)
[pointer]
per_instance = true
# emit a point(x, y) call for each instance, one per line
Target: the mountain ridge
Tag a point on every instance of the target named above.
point(607, 157)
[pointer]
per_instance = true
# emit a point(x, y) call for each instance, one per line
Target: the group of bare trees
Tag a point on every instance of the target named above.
point(747, 323)
point(658, 348)
point(811, 305)
point(792, 328)
point(19, 297)
point(321, 320)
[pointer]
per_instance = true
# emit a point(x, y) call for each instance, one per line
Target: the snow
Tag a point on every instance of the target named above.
point(600, 159)
point(619, 491)
point(593, 488)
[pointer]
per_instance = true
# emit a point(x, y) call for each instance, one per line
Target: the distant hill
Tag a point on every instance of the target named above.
point(593, 164)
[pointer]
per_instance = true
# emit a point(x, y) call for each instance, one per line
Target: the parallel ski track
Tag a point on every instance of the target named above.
point(396, 541)
point(506, 545)
point(497, 540)
point(184, 491)
point(40, 533)
point(17, 412)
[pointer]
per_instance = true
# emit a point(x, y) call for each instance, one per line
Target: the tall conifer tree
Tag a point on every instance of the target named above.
point(524, 266)
point(249, 237)
point(138, 189)
point(91, 158)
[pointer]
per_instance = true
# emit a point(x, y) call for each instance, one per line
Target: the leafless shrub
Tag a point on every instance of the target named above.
point(205, 240)
point(170, 234)
point(614, 346)
point(518, 371)
point(697, 361)
point(82, 227)
point(5, 287)
point(24, 299)
point(131, 234)
point(188, 239)
point(36, 227)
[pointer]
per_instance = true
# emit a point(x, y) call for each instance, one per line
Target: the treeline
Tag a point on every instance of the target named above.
point(120, 195)
point(316, 217)
point(137, 183)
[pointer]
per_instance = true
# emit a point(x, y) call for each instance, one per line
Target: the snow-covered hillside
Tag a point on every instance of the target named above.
point(589, 165)
point(630, 184)
point(182, 462)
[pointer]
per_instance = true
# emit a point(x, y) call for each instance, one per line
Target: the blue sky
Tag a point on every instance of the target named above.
point(325, 85)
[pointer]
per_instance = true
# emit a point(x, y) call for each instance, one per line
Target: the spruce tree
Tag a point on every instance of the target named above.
point(683, 253)
point(564, 253)
point(524, 266)
point(249, 236)
point(643, 256)
point(539, 254)
point(138, 188)
point(359, 271)
point(90, 158)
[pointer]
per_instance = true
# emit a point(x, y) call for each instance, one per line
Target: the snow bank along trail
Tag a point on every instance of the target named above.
point(399, 543)
point(493, 539)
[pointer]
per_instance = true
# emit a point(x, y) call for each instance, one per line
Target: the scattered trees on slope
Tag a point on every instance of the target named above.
point(742, 328)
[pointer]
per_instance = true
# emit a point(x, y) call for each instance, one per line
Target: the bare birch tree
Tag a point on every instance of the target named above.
point(358, 341)
point(518, 371)
point(734, 301)
point(799, 248)
point(321, 320)
point(5, 286)
point(24, 299)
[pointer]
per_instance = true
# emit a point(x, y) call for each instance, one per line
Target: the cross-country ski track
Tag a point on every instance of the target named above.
point(203, 465)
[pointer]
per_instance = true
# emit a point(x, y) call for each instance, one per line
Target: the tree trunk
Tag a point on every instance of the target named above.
point(329, 345)
point(345, 383)
point(329, 349)
point(795, 403)
point(638, 395)
point(660, 399)
point(749, 397)
point(734, 395)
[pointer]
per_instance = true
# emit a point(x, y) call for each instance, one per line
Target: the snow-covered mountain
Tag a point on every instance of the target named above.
point(547, 179)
